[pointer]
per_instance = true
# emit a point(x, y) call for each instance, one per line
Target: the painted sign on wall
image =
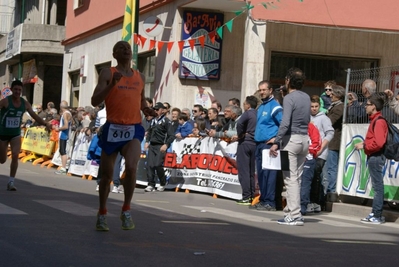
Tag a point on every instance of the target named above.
point(200, 61)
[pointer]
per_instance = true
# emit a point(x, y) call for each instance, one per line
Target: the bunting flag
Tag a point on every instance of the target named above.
point(181, 44)
point(152, 44)
point(160, 45)
point(128, 21)
point(229, 25)
point(192, 43)
point(220, 32)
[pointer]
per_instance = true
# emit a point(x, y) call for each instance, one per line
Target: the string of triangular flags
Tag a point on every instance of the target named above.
point(217, 33)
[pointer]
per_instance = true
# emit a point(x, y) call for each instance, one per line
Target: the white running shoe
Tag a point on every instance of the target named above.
point(149, 188)
point(161, 188)
point(115, 189)
point(120, 189)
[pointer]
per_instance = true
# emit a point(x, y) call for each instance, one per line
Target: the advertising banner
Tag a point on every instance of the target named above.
point(353, 174)
point(37, 140)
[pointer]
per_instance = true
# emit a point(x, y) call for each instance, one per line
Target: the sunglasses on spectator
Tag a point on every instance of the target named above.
point(328, 89)
point(195, 111)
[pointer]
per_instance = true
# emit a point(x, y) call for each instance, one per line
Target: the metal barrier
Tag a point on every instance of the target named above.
point(385, 78)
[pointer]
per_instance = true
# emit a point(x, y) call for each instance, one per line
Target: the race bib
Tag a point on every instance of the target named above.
point(13, 122)
point(120, 133)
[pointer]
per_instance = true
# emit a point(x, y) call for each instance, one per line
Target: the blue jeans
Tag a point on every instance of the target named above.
point(376, 165)
point(266, 178)
point(306, 183)
point(332, 170)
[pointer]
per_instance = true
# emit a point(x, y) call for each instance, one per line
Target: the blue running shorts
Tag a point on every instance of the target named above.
point(112, 137)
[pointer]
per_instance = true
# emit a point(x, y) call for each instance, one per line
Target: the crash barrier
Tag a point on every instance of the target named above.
point(191, 164)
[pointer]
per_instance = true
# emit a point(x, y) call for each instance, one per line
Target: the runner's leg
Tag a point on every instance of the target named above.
point(131, 152)
point(15, 144)
point(3, 151)
point(107, 167)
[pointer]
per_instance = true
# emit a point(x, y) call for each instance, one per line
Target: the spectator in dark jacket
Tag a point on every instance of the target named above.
point(335, 113)
point(159, 137)
point(355, 111)
point(246, 150)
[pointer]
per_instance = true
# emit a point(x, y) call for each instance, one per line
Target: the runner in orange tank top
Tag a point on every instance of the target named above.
point(122, 89)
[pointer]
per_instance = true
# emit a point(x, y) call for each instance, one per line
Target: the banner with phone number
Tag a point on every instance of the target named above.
point(200, 165)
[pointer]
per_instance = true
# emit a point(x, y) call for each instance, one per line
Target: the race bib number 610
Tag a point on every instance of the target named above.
point(120, 133)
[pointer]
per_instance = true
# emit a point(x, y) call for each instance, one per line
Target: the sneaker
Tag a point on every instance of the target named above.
point(245, 202)
point(265, 207)
point(97, 188)
point(370, 219)
point(149, 188)
point(120, 189)
point(161, 188)
point(316, 207)
point(287, 220)
point(115, 189)
point(254, 207)
point(11, 186)
point(127, 222)
point(60, 171)
point(101, 224)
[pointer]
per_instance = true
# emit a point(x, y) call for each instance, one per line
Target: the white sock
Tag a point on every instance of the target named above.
point(11, 179)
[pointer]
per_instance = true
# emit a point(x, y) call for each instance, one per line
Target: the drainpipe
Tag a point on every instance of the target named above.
point(136, 31)
point(20, 52)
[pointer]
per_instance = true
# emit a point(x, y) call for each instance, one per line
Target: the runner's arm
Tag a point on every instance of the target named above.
point(4, 103)
point(104, 86)
point(35, 116)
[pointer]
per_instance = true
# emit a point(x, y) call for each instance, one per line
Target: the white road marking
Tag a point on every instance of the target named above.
point(11, 211)
point(360, 242)
point(255, 218)
point(189, 222)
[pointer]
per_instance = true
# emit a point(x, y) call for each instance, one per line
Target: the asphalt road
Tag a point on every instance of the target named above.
point(50, 221)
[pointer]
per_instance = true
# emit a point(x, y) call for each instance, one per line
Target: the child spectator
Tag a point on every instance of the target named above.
point(184, 128)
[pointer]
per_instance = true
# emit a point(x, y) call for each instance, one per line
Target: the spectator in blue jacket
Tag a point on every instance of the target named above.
point(185, 128)
point(269, 115)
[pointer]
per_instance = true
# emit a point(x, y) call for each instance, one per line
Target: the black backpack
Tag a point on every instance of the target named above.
point(391, 147)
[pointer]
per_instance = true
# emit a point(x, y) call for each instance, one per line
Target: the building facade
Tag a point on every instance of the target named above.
point(30, 47)
point(255, 41)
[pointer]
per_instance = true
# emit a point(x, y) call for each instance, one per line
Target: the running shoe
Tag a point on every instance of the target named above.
point(287, 220)
point(11, 186)
point(127, 222)
point(101, 224)
point(149, 188)
point(61, 171)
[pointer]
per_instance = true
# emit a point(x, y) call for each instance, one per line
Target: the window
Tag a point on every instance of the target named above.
point(146, 65)
point(75, 86)
point(77, 3)
point(318, 69)
point(100, 67)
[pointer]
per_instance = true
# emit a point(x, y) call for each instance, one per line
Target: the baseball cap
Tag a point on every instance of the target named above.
point(159, 105)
